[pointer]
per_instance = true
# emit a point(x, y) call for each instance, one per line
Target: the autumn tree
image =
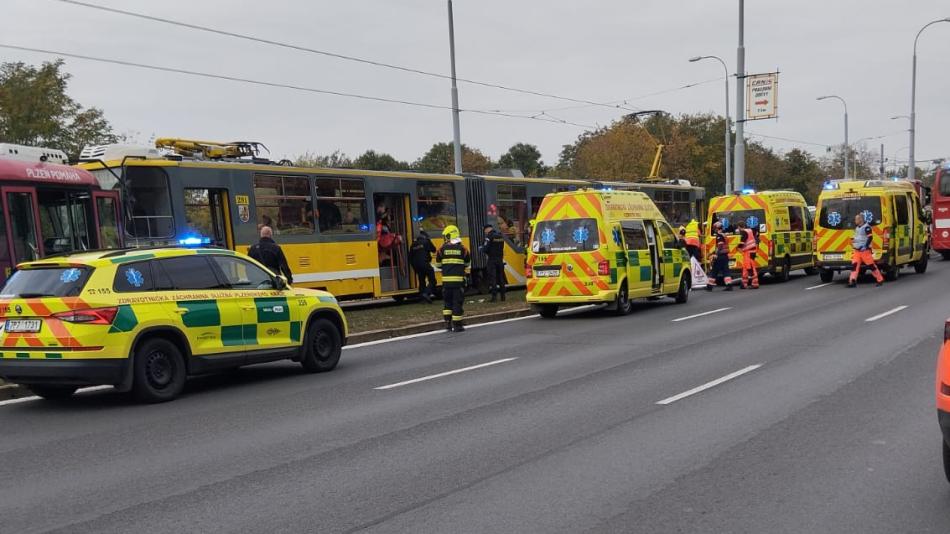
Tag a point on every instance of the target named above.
point(441, 159)
point(378, 161)
point(524, 157)
point(35, 110)
point(335, 160)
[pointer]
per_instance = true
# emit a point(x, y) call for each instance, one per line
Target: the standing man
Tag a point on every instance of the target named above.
point(268, 252)
point(420, 258)
point(862, 253)
point(719, 275)
point(494, 247)
point(453, 258)
point(749, 245)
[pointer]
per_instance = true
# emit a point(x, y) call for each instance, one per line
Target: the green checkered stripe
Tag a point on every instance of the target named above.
point(206, 314)
point(792, 243)
point(905, 244)
point(26, 355)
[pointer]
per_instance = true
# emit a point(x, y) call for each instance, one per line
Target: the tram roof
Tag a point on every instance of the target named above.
point(44, 173)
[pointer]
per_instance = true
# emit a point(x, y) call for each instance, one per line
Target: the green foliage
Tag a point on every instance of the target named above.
point(441, 159)
point(524, 157)
point(377, 161)
point(336, 160)
point(35, 110)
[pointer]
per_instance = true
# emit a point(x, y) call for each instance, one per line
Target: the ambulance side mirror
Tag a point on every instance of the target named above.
point(280, 282)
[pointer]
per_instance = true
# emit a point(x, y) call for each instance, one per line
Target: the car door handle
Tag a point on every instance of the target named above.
point(181, 311)
point(248, 308)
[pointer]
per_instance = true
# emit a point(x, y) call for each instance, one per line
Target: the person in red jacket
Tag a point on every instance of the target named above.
point(748, 245)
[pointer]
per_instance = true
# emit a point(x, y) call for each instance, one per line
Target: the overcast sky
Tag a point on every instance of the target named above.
point(594, 50)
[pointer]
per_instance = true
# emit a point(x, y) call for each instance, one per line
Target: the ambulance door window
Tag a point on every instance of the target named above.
point(634, 235)
point(654, 255)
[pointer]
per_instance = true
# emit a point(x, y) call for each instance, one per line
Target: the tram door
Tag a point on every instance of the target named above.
point(67, 221)
point(20, 214)
point(392, 236)
point(107, 218)
point(207, 215)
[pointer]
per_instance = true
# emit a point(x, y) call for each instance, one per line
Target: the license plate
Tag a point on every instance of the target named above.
point(22, 325)
point(833, 257)
point(548, 273)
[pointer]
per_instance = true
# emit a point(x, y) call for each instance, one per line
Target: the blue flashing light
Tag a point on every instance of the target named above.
point(830, 185)
point(418, 218)
point(194, 241)
point(364, 228)
point(748, 191)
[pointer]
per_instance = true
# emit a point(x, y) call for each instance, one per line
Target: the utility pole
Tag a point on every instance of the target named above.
point(739, 167)
point(912, 166)
point(455, 96)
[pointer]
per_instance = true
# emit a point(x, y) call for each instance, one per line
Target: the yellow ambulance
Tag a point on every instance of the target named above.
point(600, 246)
point(782, 221)
point(892, 208)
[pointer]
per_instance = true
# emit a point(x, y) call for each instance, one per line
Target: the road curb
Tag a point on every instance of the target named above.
point(15, 391)
point(376, 335)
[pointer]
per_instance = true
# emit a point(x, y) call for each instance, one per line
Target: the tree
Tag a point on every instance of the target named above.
point(336, 160)
point(35, 110)
point(524, 157)
point(441, 159)
point(376, 161)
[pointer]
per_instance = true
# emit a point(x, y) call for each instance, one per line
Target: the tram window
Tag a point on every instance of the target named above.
point(284, 203)
point(64, 221)
point(150, 208)
point(108, 227)
point(435, 205)
point(512, 212)
point(23, 225)
point(341, 206)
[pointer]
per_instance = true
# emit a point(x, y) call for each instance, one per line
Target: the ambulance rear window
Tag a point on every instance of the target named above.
point(566, 235)
point(729, 219)
point(46, 282)
point(838, 213)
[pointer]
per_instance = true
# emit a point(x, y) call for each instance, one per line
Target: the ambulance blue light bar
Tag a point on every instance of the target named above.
point(194, 241)
point(830, 185)
point(748, 191)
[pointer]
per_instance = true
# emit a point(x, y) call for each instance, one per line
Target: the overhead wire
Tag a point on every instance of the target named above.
point(176, 70)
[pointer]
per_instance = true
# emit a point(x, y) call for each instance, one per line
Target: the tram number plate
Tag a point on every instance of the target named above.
point(547, 273)
point(833, 257)
point(22, 325)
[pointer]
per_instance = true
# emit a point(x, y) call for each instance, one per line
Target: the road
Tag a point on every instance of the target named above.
point(793, 408)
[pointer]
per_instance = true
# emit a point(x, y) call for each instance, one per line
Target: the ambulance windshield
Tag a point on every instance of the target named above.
point(566, 235)
point(729, 219)
point(838, 213)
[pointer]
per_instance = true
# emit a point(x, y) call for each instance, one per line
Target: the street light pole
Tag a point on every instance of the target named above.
point(739, 177)
point(728, 135)
point(912, 171)
point(457, 135)
point(847, 147)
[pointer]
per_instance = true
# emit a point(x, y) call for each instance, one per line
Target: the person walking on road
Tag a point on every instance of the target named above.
point(861, 253)
point(749, 245)
point(269, 254)
point(494, 247)
point(453, 258)
point(719, 275)
point(420, 259)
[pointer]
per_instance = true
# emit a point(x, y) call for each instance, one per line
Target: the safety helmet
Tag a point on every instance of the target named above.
point(451, 232)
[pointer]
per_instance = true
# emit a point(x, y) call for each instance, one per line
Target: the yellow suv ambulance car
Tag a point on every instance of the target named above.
point(144, 319)
point(892, 208)
point(597, 246)
point(782, 221)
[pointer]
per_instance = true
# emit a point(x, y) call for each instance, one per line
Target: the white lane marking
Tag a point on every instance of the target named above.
point(885, 314)
point(819, 285)
point(447, 373)
point(34, 397)
point(707, 385)
point(710, 312)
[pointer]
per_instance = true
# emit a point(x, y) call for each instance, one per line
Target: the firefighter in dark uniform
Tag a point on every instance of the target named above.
point(494, 247)
point(453, 258)
point(420, 258)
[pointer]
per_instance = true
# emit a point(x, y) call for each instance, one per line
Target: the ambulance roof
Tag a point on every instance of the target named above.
point(607, 204)
point(837, 188)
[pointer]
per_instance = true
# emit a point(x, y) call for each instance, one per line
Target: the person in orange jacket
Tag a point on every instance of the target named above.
point(862, 253)
point(748, 245)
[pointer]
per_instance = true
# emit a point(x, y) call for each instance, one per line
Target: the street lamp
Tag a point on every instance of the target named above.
point(911, 171)
point(728, 138)
point(846, 146)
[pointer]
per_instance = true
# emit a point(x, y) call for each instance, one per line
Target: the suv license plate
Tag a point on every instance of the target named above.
point(22, 325)
point(548, 273)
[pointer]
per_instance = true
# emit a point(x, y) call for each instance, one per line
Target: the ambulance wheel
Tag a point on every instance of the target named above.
point(158, 370)
point(786, 269)
point(946, 459)
point(892, 274)
point(826, 275)
point(321, 347)
point(548, 311)
point(921, 266)
point(51, 392)
point(682, 295)
point(623, 306)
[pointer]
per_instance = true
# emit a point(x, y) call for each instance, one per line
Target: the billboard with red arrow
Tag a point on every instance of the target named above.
point(762, 96)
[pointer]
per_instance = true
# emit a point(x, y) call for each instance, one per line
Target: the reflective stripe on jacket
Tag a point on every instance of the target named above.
point(862, 237)
point(452, 258)
point(748, 243)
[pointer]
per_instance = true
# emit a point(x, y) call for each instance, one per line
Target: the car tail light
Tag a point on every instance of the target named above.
point(90, 316)
point(603, 268)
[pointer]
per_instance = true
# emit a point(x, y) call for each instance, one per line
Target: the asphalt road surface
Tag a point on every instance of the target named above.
point(793, 408)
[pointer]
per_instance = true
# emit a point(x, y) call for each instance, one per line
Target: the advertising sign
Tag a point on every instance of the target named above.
point(762, 96)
